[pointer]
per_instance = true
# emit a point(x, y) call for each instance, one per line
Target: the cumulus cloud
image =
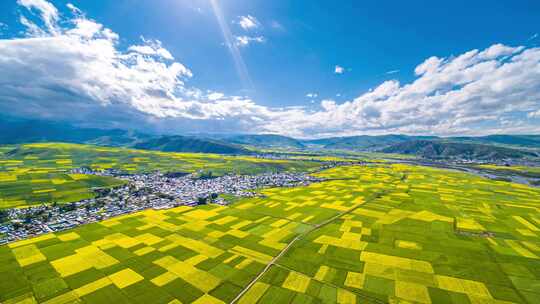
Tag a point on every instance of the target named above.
point(75, 10)
point(247, 40)
point(75, 69)
point(48, 14)
point(215, 96)
point(339, 69)
point(328, 105)
point(248, 22)
point(151, 48)
point(428, 66)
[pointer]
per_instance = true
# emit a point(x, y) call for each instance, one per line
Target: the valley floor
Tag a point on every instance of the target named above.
point(375, 234)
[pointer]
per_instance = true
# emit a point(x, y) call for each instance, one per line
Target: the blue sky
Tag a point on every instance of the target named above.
point(289, 50)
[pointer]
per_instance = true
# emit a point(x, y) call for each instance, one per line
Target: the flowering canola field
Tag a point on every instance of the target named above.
point(34, 174)
point(370, 234)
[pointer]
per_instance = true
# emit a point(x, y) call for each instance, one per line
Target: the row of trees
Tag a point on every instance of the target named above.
point(3, 216)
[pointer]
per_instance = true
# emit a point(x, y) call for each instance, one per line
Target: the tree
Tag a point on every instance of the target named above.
point(68, 207)
point(202, 200)
point(28, 219)
point(206, 175)
point(4, 215)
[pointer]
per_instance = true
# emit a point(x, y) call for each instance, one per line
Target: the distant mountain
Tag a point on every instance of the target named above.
point(373, 143)
point(448, 150)
point(529, 141)
point(14, 131)
point(362, 142)
point(190, 144)
point(266, 141)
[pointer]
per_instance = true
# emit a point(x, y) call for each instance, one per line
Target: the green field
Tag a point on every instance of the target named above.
point(20, 188)
point(533, 171)
point(376, 234)
point(32, 174)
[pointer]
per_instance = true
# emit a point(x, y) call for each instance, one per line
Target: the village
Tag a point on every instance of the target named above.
point(141, 191)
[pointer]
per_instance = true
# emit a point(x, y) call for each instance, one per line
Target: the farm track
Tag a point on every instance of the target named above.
point(363, 296)
point(302, 235)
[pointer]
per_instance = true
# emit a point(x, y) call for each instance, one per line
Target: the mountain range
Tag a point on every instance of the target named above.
point(361, 142)
point(266, 141)
point(177, 143)
point(16, 131)
point(447, 150)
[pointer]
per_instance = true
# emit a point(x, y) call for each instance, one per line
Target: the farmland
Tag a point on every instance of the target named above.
point(370, 234)
point(32, 174)
point(533, 171)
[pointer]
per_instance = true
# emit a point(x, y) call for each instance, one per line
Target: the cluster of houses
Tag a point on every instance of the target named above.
point(141, 191)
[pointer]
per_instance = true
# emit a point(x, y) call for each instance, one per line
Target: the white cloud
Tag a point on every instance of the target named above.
point(86, 29)
point(312, 95)
point(48, 14)
point(392, 72)
point(32, 30)
point(277, 26)
point(428, 66)
point(495, 51)
point(248, 22)
point(534, 114)
point(339, 69)
point(247, 40)
point(79, 69)
point(215, 96)
point(74, 10)
point(76, 70)
point(151, 48)
point(328, 105)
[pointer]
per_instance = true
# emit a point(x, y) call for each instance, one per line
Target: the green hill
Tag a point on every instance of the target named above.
point(529, 141)
point(15, 131)
point(190, 144)
point(362, 142)
point(266, 141)
point(445, 150)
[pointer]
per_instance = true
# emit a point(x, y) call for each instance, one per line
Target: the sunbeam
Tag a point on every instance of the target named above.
point(239, 63)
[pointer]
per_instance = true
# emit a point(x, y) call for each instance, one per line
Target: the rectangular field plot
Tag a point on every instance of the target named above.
point(29, 188)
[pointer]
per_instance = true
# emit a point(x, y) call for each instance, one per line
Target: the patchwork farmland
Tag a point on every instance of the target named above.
point(32, 174)
point(371, 234)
